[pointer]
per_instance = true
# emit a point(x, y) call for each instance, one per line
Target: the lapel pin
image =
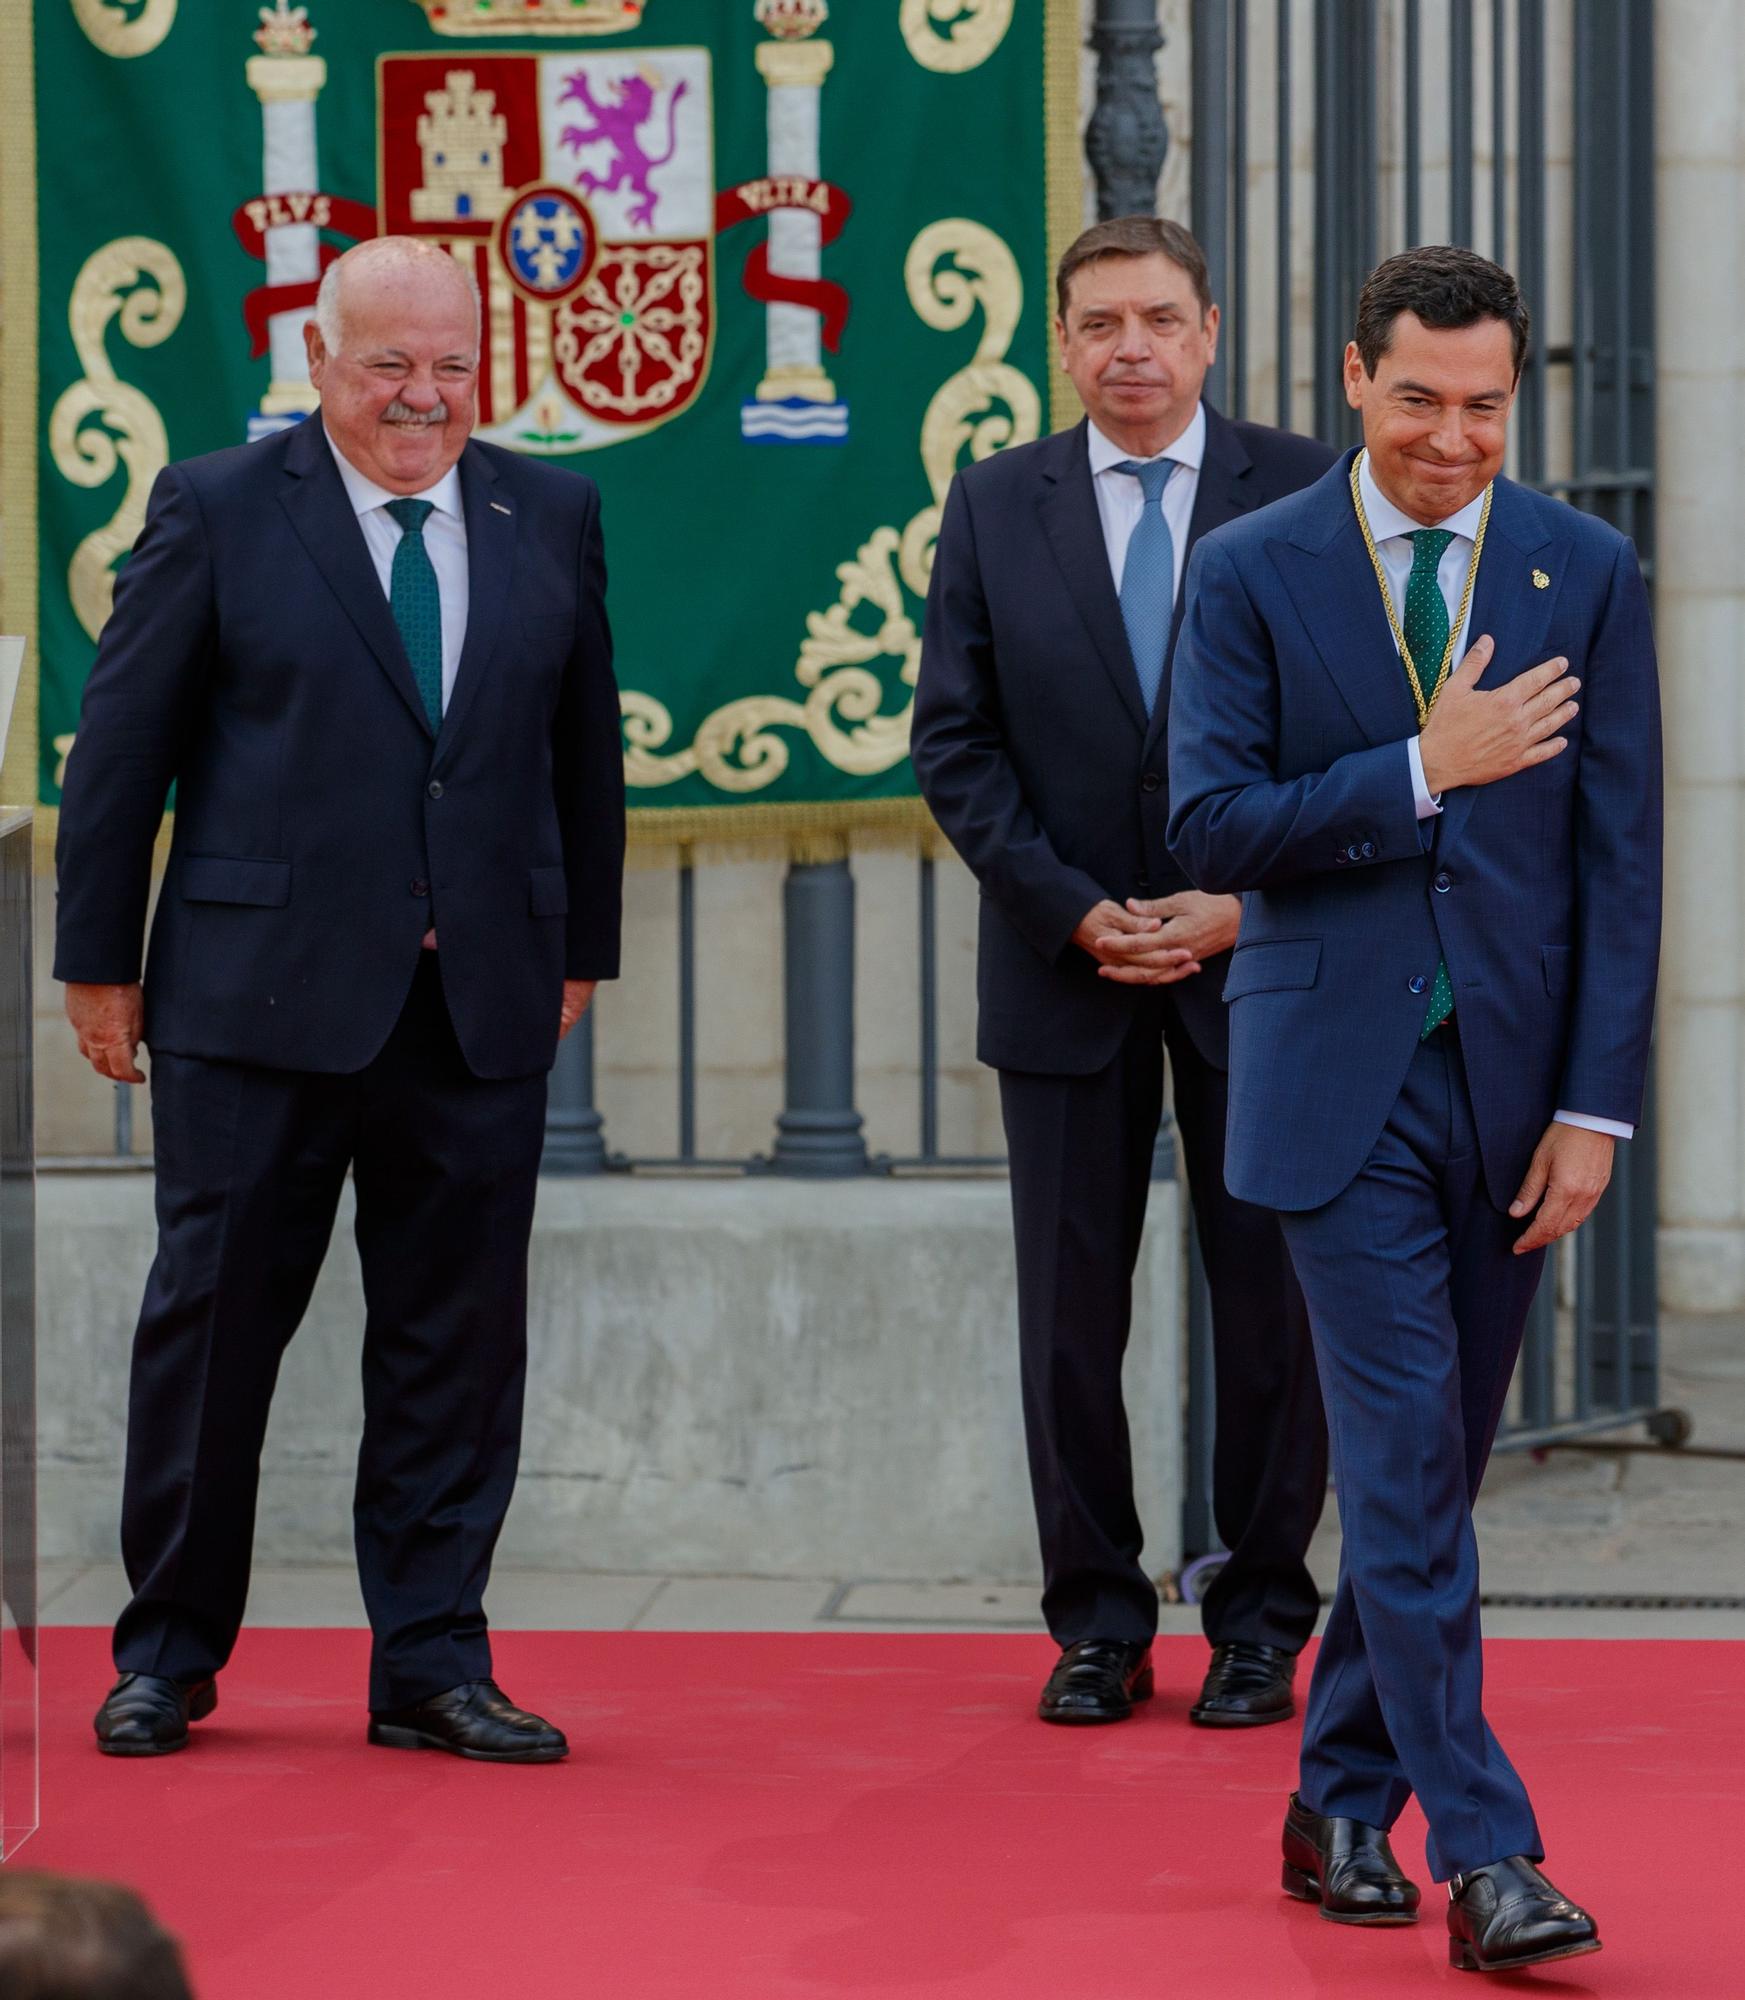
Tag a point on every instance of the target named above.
point(497, 507)
point(1540, 580)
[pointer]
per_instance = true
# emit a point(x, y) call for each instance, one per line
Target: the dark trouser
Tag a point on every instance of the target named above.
point(250, 1163)
point(1080, 1151)
point(1418, 1306)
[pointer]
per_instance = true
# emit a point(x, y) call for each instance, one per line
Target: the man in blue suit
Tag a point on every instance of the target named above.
point(373, 659)
point(1441, 1001)
point(1039, 744)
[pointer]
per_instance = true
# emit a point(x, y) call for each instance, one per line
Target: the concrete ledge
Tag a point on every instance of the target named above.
point(1702, 1270)
point(727, 1377)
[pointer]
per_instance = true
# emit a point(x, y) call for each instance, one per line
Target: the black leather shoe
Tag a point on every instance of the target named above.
point(1506, 1915)
point(1097, 1680)
point(144, 1715)
point(1245, 1686)
point(474, 1720)
point(1346, 1867)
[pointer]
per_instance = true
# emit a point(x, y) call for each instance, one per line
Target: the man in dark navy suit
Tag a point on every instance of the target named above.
point(373, 659)
point(1441, 1003)
point(1039, 744)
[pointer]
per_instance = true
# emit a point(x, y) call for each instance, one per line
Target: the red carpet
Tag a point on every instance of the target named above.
point(750, 1817)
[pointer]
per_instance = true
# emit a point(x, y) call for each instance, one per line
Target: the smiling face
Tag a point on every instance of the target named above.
point(1137, 346)
point(1435, 412)
point(397, 389)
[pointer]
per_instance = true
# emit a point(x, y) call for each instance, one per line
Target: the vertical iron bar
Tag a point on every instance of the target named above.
point(1282, 251)
point(929, 956)
point(1199, 1525)
point(1126, 140)
point(1623, 276)
point(1582, 338)
point(1209, 169)
point(1460, 121)
point(1238, 283)
point(1539, 1360)
point(818, 1133)
point(1584, 1325)
point(124, 1120)
point(1414, 113)
point(575, 1137)
point(1329, 306)
point(687, 1007)
point(1530, 230)
point(1499, 131)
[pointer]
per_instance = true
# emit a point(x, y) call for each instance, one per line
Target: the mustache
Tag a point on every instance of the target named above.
point(403, 413)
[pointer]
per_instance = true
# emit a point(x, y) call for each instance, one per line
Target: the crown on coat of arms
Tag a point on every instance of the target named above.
point(533, 17)
point(284, 31)
point(792, 20)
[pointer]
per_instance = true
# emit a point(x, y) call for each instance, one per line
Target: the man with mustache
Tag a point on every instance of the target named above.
point(1039, 742)
point(1441, 1005)
point(372, 657)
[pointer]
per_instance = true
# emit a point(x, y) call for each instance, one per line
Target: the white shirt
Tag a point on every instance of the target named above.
point(1121, 499)
point(1392, 531)
point(445, 537)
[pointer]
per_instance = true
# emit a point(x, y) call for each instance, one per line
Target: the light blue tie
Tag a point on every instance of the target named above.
point(1148, 577)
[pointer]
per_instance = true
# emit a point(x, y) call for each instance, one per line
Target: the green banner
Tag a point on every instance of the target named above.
point(767, 270)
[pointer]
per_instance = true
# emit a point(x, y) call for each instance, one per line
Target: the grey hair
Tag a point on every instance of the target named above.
point(329, 303)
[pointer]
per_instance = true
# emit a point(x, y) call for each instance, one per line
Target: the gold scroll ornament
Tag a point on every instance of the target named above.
point(109, 27)
point(112, 286)
point(953, 35)
point(982, 408)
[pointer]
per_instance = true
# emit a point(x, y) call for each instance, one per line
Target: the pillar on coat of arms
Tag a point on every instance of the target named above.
point(796, 402)
point(287, 79)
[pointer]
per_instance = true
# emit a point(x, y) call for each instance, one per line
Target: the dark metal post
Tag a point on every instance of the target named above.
point(1530, 228)
point(1282, 246)
point(1209, 168)
point(1127, 140)
point(1460, 121)
point(929, 957)
point(819, 1130)
point(575, 1135)
point(1199, 1522)
point(687, 1007)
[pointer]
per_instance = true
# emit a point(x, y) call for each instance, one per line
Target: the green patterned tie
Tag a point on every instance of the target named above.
point(417, 603)
point(1426, 628)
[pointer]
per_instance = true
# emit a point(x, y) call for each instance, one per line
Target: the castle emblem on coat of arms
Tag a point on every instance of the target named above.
point(533, 17)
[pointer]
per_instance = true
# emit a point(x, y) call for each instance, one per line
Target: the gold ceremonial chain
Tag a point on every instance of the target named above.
point(1424, 707)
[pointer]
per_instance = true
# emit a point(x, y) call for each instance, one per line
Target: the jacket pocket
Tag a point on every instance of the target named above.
point(226, 878)
point(1268, 967)
point(547, 892)
point(1556, 957)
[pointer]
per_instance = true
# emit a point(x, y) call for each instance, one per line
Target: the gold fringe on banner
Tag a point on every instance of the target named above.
point(1064, 169)
point(18, 366)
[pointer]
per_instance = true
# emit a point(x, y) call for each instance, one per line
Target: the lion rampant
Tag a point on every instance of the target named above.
point(620, 125)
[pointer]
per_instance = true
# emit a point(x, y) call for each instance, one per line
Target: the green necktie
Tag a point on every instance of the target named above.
point(417, 603)
point(1426, 628)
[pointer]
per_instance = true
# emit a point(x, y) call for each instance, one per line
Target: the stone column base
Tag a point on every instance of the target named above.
point(1702, 1270)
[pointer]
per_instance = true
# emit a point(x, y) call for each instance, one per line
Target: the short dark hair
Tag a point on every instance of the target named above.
point(1134, 236)
point(64, 1939)
point(1446, 287)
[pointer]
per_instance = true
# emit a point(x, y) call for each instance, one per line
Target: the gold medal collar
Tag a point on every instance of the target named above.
point(1454, 630)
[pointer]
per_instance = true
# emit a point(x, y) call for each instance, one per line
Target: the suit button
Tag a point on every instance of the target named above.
point(1151, 782)
point(419, 886)
point(1417, 983)
point(1369, 850)
point(1444, 882)
point(1354, 852)
point(434, 788)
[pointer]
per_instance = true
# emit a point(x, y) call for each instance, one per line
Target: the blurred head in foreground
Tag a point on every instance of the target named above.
point(64, 1939)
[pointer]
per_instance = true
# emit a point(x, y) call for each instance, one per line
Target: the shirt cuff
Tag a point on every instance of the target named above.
point(1428, 806)
point(1610, 1126)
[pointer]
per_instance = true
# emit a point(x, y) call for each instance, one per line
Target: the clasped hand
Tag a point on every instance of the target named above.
point(1159, 941)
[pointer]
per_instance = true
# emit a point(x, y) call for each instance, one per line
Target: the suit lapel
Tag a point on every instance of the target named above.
point(491, 536)
point(1333, 585)
point(320, 512)
point(1067, 508)
point(1508, 605)
point(1224, 493)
